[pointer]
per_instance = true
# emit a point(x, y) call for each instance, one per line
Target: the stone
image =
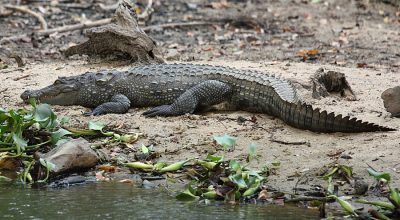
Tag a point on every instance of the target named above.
point(73, 155)
point(391, 100)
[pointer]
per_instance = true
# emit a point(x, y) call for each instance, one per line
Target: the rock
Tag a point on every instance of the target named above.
point(75, 154)
point(68, 181)
point(360, 187)
point(391, 100)
point(172, 54)
point(149, 185)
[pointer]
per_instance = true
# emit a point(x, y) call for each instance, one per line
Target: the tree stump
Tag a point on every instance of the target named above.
point(122, 36)
point(325, 82)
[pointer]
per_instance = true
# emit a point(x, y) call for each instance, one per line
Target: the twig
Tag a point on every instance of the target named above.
point(291, 143)
point(3, 90)
point(23, 9)
point(105, 21)
point(105, 7)
point(66, 28)
point(178, 24)
point(21, 77)
point(83, 25)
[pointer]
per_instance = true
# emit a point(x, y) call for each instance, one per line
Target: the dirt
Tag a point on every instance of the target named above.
point(357, 38)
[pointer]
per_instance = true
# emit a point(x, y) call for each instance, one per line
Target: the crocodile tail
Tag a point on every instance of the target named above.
point(304, 116)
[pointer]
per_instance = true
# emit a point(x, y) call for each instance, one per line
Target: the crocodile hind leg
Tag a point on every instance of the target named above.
point(205, 94)
point(118, 104)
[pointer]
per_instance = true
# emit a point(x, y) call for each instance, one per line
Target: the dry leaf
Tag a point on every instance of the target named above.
point(263, 195)
point(108, 168)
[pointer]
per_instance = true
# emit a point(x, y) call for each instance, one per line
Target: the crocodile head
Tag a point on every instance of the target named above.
point(64, 91)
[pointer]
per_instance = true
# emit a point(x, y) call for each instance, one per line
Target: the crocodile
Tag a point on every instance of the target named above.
point(177, 89)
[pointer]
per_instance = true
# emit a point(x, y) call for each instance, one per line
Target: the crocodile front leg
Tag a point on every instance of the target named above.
point(118, 104)
point(205, 94)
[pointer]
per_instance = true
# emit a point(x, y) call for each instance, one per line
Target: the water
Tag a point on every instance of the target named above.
point(124, 201)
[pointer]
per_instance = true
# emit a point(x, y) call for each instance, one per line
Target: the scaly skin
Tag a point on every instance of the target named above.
point(178, 89)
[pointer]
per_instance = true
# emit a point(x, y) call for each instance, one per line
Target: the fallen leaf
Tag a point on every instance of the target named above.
point(263, 195)
point(108, 168)
point(362, 65)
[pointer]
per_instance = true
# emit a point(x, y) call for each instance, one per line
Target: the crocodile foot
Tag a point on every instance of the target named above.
point(163, 110)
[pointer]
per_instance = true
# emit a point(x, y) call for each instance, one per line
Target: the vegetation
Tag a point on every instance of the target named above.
point(22, 132)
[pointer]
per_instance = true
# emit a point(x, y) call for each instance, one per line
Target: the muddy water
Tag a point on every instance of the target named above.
point(123, 201)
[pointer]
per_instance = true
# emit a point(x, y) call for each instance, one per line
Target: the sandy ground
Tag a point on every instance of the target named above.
point(190, 136)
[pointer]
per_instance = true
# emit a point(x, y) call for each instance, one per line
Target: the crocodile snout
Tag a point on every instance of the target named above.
point(27, 94)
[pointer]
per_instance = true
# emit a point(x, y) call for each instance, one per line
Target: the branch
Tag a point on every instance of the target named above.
point(90, 24)
point(23, 9)
point(178, 24)
point(83, 25)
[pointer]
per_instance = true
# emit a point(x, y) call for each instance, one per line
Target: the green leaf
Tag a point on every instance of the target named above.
point(331, 173)
point(20, 143)
point(225, 141)
point(214, 158)
point(206, 164)
point(49, 165)
point(33, 102)
point(186, 195)
point(140, 165)
point(96, 125)
point(255, 174)
point(57, 135)
point(159, 165)
point(174, 167)
point(348, 171)
point(210, 194)
point(394, 197)
point(144, 149)
point(378, 175)
point(252, 148)
point(235, 165)
point(44, 115)
point(64, 120)
point(347, 207)
point(238, 180)
point(381, 204)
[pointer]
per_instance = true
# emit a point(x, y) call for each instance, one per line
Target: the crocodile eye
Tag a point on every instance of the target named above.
point(57, 82)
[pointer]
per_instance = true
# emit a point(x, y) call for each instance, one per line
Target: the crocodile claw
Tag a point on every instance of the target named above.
point(94, 113)
point(163, 110)
point(87, 113)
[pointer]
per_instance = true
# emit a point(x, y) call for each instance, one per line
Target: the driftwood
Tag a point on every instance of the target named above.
point(325, 82)
point(121, 37)
point(391, 100)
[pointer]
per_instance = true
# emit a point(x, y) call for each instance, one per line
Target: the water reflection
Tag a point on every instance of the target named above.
point(123, 201)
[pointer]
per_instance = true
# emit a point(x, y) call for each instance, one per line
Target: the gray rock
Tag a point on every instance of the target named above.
point(391, 100)
point(72, 155)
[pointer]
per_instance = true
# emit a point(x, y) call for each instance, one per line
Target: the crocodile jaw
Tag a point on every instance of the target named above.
point(51, 96)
